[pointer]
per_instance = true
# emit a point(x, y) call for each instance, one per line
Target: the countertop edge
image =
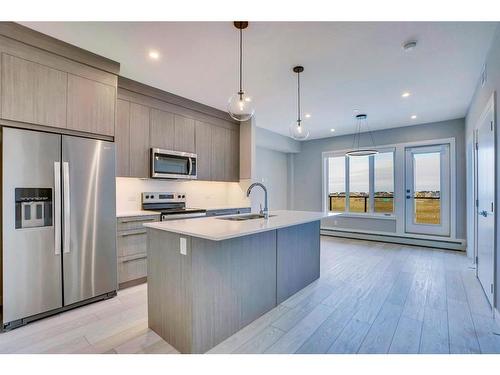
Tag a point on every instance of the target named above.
point(236, 235)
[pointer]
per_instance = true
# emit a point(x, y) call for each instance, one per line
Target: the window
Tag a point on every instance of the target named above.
point(383, 191)
point(359, 184)
point(336, 184)
point(365, 186)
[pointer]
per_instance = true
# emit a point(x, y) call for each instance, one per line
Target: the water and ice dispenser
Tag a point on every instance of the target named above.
point(33, 207)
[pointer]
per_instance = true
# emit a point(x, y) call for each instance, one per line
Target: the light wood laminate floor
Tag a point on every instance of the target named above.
point(371, 298)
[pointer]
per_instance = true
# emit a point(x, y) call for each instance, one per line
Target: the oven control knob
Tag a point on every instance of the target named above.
point(178, 196)
point(183, 196)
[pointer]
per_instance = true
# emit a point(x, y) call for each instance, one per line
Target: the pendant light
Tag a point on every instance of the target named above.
point(240, 106)
point(358, 150)
point(297, 129)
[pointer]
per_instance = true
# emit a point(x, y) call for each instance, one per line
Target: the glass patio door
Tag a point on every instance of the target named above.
point(427, 190)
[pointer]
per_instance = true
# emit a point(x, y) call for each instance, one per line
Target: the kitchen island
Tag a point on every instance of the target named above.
point(210, 277)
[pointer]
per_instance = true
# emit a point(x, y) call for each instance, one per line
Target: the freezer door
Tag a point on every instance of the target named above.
point(31, 239)
point(89, 218)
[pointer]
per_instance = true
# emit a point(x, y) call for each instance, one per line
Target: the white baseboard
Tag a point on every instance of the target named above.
point(393, 238)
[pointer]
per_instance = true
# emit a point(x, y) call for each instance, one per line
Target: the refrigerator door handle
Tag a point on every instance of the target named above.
point(57, 208)
point(67, 208)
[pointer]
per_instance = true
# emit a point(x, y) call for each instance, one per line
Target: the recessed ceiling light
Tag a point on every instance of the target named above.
point(409, 45)
point(332, 130)
point(413, 117)
point(154, 55)
point(308, 115)
point(405, 94)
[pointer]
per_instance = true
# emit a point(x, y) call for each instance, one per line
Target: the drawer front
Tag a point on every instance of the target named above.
point(132, 269)
point(132, 242)
point(135, 222)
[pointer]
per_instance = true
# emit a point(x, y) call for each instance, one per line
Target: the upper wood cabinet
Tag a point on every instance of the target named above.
point(145, 122)
point(122, 138)
point(184, 134)
point(38, 87)
point(32, 92)
point(203, 147)
point(162, 129)
point(91, 106)
point(139, 141)
point(232, 156)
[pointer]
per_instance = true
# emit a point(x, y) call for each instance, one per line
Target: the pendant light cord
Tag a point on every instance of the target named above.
point(298, 99)
point(241, 64)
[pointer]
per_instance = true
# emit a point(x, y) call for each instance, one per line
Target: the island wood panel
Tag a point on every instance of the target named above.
point(162, 129)
point(234, 282)
point(91, 106)
point(122, 138)
point(203, 145)
point(184, 134)
point(170, 299)
point(298, 258)
point(32, 92)
point(139, 141)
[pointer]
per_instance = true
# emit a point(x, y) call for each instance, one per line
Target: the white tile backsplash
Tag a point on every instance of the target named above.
point(200, 194)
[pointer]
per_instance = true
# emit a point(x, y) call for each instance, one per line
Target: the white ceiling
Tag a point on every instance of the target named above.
point(348, 65)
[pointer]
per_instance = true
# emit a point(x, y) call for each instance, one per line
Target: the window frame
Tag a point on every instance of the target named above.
point(371, 183)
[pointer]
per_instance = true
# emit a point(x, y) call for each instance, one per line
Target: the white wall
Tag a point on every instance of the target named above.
point(478, 103)
point(199, 194)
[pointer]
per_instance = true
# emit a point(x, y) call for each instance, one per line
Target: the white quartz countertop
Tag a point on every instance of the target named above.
point(215, 229)
point(224, 207)
point(136, 213)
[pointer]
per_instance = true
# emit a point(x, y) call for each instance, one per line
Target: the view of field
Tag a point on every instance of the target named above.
point(427, 209)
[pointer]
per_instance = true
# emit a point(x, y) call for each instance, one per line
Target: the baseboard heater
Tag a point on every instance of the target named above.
point(405, 240)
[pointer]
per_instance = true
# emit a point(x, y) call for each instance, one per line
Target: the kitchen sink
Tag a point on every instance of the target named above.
point(243, 217)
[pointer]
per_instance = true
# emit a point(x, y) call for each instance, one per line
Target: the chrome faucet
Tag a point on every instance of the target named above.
point(264, 212)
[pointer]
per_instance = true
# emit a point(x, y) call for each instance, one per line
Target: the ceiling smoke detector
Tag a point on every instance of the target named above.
point(409, 45)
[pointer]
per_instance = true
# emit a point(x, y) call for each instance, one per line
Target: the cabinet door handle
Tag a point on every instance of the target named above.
point(124, 234)
point(138, 220)
point(132, 259)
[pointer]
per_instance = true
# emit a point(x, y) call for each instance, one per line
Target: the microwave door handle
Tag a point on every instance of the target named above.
point(57, 208)
point(190, 166)
point(67, 208)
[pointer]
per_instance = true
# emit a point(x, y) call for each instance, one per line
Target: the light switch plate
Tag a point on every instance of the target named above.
point(183, 246)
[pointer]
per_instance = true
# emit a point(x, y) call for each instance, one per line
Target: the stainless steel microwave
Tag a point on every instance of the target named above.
point(173, 164)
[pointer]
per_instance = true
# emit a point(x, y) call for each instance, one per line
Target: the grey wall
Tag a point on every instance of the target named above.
point(272, 171)
point(307, 164)
point(274, 141)
point(479, 100)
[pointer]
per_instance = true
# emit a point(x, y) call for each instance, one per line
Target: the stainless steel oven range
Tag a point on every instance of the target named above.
point(172, 205)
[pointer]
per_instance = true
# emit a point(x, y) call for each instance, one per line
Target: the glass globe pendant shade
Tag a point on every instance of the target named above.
point(298, 131)
point(240, 107)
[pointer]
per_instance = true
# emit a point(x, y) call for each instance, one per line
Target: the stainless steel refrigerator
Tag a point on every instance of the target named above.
point(58, 223)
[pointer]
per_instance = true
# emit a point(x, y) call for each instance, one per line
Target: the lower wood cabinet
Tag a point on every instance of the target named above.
point(132, 249)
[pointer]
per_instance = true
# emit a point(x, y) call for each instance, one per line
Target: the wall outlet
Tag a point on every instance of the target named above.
point(183, 246)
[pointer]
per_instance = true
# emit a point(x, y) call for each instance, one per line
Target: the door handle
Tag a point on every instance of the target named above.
point(190, 166)
point(57, 208)
point(484, 213)
point(67, 209)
